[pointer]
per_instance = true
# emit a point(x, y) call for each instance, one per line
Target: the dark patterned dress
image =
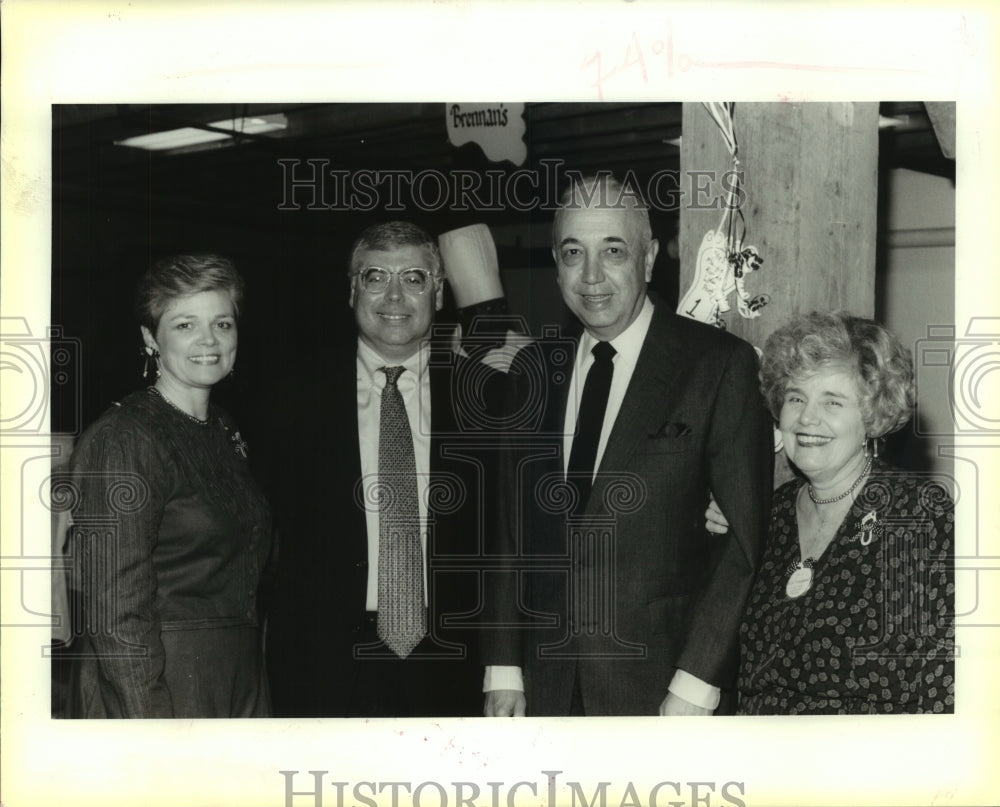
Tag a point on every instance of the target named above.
point(170, 534)
point(874, 633)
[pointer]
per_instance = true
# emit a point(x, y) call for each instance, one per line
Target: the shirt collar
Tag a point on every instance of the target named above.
point(629, 342)
point(370, 362)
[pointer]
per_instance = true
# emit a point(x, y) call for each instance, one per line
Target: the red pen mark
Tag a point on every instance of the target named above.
point(633, 57)
point(943, 796)
point(804, 66)
point(641, 59)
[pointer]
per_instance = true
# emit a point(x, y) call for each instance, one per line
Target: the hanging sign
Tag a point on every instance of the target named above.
point(718, 273)
point(721, 268)
point(723, 262)
point(498, 129)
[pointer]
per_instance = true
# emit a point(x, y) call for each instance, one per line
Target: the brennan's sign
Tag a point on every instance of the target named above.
point(498, 129)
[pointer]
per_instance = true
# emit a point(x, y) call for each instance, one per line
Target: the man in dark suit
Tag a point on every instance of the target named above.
point(359, 625)
point(618, 602)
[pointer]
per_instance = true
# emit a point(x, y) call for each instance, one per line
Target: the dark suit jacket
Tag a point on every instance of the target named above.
point(318, 607)
point(636, 587)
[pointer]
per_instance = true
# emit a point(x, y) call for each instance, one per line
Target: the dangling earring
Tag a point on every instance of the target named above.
point(150, 354)
point(873, 451)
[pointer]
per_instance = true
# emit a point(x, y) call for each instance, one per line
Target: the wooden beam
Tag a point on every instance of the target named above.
point(810, 182)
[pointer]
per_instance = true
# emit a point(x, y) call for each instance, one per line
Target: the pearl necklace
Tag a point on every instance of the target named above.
point(172, 405)
point(846, 493)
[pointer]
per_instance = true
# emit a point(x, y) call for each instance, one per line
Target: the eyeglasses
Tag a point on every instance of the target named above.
point(376, 280)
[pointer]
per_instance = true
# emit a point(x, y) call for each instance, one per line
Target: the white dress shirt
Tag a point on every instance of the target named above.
point(627, 345)
point(414, 385)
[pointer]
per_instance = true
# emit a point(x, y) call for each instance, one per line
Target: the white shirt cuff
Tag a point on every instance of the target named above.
point(694, 690)
point(503, 677)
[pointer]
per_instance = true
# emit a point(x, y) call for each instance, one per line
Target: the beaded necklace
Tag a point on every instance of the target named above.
point(172, 405)
point(846, 493)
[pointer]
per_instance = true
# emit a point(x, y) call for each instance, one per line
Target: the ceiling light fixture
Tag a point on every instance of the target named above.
point(216, 131)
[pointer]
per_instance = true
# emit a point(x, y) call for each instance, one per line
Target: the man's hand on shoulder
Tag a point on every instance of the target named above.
point(504, 703)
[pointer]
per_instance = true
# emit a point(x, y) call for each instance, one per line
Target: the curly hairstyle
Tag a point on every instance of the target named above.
point(882, 367)
point(179, 275)
point(393, 234)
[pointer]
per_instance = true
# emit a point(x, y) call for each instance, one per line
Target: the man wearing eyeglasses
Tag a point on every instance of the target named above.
point(375, 541)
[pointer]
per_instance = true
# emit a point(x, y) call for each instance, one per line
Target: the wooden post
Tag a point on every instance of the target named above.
point(810, 181)
point(810, 178)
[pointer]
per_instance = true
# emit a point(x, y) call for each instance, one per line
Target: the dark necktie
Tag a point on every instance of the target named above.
point(402, 620)
point(593, 402)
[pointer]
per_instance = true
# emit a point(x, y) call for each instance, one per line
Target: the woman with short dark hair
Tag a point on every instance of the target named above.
point(170, 530)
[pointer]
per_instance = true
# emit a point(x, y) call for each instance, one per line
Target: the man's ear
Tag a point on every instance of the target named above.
point(650, 258)
point(354, 290)
point(439, 296)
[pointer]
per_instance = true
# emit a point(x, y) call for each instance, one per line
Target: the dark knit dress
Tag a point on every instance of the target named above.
point(170, 534)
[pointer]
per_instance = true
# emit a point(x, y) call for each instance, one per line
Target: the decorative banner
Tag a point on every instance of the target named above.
point(718, 273)
point(498, 129)
point(723, 262)
point(722, 266)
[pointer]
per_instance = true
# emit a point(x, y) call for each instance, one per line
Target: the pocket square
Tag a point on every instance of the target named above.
point(672, 430)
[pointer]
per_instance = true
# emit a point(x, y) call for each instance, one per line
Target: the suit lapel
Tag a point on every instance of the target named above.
point(657, 370)
point(345, 457)
point(554, 419)
point(546, 440)
point(443, 423)
point(442, 412)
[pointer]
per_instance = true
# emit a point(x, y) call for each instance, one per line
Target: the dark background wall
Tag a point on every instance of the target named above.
point(117, 209)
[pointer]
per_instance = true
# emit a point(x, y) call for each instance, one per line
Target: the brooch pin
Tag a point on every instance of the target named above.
point(869, 529)
point(239, 444)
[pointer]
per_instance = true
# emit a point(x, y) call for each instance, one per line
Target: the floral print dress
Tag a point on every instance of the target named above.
point(874, 633)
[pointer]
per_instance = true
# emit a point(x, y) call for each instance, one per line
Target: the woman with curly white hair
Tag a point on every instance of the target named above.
point(852, 611)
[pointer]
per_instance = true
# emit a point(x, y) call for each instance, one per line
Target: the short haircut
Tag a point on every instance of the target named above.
point(180, 275)
point(604, 190)
point(882, 367)
point(392, 234)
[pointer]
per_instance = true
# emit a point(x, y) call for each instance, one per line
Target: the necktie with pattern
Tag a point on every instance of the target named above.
point(593, 402)
point(402, 619)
